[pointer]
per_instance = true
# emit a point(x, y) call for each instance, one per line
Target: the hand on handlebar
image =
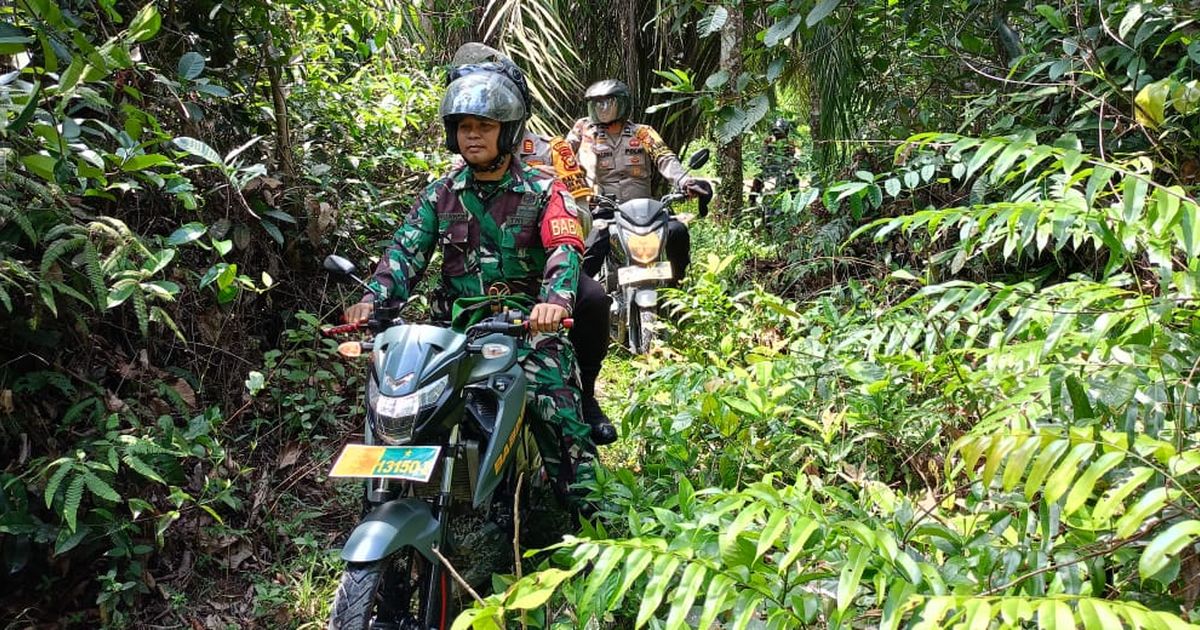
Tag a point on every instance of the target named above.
point(694, 187)
point(359, 313)
point(546, 317)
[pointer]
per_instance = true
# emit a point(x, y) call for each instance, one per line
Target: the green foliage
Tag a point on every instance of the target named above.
point(307, 388)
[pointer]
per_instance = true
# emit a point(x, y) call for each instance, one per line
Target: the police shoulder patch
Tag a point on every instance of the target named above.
point(527, 146)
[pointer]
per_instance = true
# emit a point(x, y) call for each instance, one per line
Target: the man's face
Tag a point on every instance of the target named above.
point(606, 109)
point(478, 140)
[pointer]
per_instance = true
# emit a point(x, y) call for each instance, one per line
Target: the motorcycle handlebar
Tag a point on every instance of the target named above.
point(514, 329)
point(343, 329)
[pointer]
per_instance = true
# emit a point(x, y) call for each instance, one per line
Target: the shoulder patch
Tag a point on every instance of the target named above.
point(527, 146)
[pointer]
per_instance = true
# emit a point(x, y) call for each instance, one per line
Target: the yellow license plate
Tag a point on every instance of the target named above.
point(412, 463)
point(631, 275)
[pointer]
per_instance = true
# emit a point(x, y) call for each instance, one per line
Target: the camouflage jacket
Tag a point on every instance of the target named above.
point(778, 157)
point(537, 150)
point(620, 167)
point(521, 237)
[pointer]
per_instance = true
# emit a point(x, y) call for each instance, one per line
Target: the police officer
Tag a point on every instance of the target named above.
point(502, 227)
point(618, 155)
point(555, 157)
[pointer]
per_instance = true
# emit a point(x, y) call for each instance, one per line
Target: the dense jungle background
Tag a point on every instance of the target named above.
point(944, 377)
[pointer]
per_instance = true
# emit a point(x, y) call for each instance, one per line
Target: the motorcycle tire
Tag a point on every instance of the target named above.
point(357, 597)
point(640, 330)
point(354, 601)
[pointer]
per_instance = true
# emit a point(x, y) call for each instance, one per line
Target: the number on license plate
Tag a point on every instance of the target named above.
point(412, 463)
point(630, 275)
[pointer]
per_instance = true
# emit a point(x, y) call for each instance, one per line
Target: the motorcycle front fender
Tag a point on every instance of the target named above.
point(390, 527)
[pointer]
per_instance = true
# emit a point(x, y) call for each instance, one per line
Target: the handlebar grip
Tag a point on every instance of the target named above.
point(343, 329)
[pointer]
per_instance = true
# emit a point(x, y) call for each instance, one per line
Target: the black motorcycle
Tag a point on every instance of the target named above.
point(637, 265)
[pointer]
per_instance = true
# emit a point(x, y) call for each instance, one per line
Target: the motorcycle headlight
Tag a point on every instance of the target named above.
point(396, 416)
point(643, 248)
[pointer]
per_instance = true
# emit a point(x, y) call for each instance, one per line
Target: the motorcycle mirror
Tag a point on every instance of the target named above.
point(350, 349)
point(698, 159)
point(338, 266)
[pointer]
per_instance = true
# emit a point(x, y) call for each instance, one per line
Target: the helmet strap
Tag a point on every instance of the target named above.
point(492, 166)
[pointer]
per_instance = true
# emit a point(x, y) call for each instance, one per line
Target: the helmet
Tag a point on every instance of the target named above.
point(486, 95)
point(475, 52)
point(781, 128)
point(504, 67)
point(609, 88)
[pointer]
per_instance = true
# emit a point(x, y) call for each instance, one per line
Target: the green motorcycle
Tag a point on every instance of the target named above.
point(445, 432)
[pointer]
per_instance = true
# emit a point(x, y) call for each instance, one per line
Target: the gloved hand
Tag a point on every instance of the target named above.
point(696, 187)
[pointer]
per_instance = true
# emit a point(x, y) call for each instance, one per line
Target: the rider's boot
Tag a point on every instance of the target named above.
point(603, 431)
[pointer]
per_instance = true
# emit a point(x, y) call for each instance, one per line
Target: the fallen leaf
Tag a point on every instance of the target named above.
point(289, 456)
point(112, 401)
point(185, 392)
point(6, 400)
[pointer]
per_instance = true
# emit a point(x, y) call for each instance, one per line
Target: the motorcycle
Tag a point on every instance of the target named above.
point(637, 266)
point(445, 406)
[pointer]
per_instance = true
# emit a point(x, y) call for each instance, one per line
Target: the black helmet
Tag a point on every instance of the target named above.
point(486, 95)
point(781, 128)
point(609, 88)
point(506, 68)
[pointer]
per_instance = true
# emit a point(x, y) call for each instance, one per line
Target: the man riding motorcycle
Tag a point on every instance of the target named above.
point(505, 229)
point(617, 155)
point(555, 157)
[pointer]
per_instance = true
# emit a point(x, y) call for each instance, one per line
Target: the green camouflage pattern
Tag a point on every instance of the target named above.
point(492, 236)
point(489, 252)
point(778, 160)
point(563, 437)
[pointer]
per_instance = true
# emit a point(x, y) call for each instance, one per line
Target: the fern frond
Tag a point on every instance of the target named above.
point(58, 249)
point(52, 484)
point(139, 307)
point(91, 262)
point(157, 314)
point(142, 468)
point(10, 213)
point(70, 292)
point(74, 497)
point(100, 488)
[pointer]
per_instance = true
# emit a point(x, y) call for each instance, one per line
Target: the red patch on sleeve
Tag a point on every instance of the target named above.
point(559, 227)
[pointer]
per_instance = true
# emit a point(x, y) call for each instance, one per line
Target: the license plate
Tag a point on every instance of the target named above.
point(412, 463)
point(633, 275)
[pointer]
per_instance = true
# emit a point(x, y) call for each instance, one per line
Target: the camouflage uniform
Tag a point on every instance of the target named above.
point(519, 235)
point(778, 162)
point(620, 167)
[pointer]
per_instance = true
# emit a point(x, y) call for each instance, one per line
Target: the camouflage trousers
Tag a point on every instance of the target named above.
point(553, 397)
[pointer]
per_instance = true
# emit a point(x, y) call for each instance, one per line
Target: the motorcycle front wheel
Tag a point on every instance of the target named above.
point(641, 329)
point(363, 590)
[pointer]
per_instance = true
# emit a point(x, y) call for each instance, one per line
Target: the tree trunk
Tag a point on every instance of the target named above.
point(729, 156)
point(283, 134)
